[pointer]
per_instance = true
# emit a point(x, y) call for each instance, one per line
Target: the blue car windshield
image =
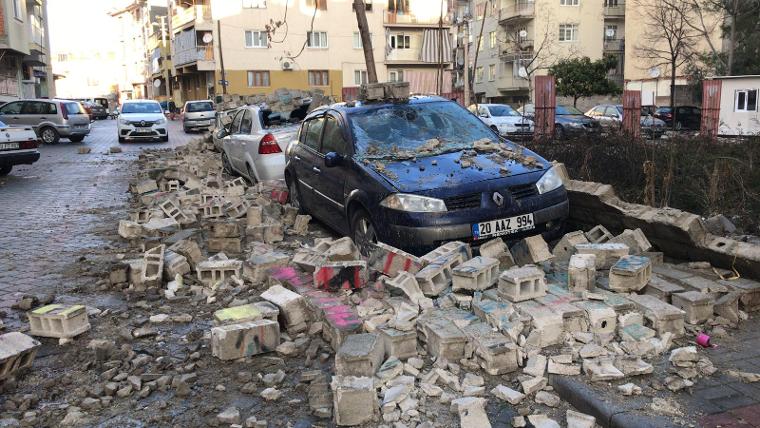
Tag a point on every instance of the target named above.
point(403, 131)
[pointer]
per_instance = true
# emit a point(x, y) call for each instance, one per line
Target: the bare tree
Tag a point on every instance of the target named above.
point(668, 36)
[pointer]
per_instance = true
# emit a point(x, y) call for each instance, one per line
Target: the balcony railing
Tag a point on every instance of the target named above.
point(614, 8)
point(410, 19)
point(614, 45)
point(195, 13)
point(519, 10)
point(522, 49)
point(199, 53)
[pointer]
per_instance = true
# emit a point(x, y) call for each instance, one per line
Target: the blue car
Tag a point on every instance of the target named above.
point(417, 173)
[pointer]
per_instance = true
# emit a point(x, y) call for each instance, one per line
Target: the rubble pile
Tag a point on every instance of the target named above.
point(282, 100)
point(233, 277)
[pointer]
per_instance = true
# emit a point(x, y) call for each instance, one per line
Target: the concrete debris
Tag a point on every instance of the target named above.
point(745, 377)
point(472, 412)
point(542, 421)
point(579, 420)
point(58, 321)
point(628, 389)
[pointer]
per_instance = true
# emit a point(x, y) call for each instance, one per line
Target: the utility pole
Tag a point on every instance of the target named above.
point(221, 55)
point(369, 56)
point(466, 63)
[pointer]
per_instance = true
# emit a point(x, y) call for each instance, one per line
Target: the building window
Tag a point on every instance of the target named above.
point(318, 78)
point(63, 57)
point(492, 39)
point(746, 100)
point(320, 4)
point(568, 32)
point(258, 78)
point(492, 72)
point(316, 39)
point(479, 74)
point(610, 33)
point(254, 4)
point(569, 2)
point(400, 41)
point(17, 10)
point(396, 76)
point(256, 39)
point(610, 3)
point(398, 6)
point(360, 77)
point(358, 40)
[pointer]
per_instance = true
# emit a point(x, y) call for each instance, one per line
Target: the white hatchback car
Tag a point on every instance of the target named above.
point(505, 120)
point(142, 120)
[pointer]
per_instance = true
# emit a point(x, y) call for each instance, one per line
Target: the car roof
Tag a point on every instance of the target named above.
point(139, 101)
point(198, 101)
point(353, 106)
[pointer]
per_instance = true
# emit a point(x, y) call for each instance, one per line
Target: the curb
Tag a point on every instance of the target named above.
point(608, 415)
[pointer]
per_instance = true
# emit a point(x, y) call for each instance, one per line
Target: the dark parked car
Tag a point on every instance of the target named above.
point(686, 117)
point(419, 172)
point(569, 122)
point(611, 116)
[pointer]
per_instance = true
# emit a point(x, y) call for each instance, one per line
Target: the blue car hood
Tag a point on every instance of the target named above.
point(447, 170)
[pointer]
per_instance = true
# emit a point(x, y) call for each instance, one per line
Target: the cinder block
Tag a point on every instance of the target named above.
point(354, 400)
point(230, 342)
point(664, 317)
point(630, 273)
point(495, 352)
point(291, 305)
point(360, 355)
point(343, 250)
point(172, 210)
point(308, 260)
point(697, 306)
point(661, 288)
point(256, 267)
point(218, 268)
point(224, 245)
point(478, 273)
point(547, 325)
point(399, 344)
point(154, 264)
point(606, 254)
point(237, 314)
point(301, 224)
point(175, 264)
point(129, 229)
point(254, 216)
point(497, 249)
point(574, 319)
point(531, 250)
point(268, 310)
point(436, 276)
point(407, 284)
point(581, 272)
point(223, 229)
point(566, 246)
point(339, 321)
point(236, 209)
point(635, 239)
point(443, 339)
point(269, 233)
point(213, 209)
point(188, 248)
point(346, 275)
point(390, 261)
point(144, 186)
point(58, 321)
point(17, 352)
point(460, 250)
point(522, 283)
point(602, 318)
point(598, 235)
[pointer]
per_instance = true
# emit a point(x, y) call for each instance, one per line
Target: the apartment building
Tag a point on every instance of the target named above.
point(521, 39)
point(25, 71)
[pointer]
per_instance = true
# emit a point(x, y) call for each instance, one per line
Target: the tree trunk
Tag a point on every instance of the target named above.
point(575, 102)
point(369, 56)
point(477, 51)
point(673, 91)
point(732, 37)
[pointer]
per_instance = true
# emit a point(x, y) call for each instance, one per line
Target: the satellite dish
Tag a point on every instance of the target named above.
point(654, 72)
point(208, 38)
point(157, 83)
point(522, 72)
point(610, 33)
point(523, 34)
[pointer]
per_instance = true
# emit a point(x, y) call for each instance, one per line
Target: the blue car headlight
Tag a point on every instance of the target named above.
point(550, 181)
point(413, 203)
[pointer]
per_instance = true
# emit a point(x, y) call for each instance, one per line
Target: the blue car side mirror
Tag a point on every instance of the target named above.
point(333, 159)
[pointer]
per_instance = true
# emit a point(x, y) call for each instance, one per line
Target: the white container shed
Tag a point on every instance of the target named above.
point(739, 105)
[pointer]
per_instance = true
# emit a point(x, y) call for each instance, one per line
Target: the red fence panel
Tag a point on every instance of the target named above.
point(457, 96)
point(710, 107)
point(350, 93)
point(546, 102)
point(632, 113)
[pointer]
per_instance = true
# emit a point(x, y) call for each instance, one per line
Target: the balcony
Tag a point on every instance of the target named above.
point(614, 45)
point(614, 9)
point(515, 51)
point(521, 10)
point(198, 15)
point(510, 82)
point(201, 56)
point(405, 19)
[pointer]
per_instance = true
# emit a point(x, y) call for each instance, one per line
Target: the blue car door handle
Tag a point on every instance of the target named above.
point(297, 158)
point(315, 169)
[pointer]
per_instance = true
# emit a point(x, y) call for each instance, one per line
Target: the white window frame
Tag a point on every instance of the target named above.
point(17, 12)
point(745, 107)
point(613, 27)
point(569, 2)
point(491, 72)
point(322, 82)
point(357, 42)
point(396, 75)
point(405, 38)
point(360, 77)
point(317, 40)
point(479, 74)
point(250, 75)
point(256, 36)
point(563, 32)
point(492, 39)
point(254, 4)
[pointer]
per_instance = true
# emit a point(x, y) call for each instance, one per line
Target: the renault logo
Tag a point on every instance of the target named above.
point(142, 123)
point(497, 198)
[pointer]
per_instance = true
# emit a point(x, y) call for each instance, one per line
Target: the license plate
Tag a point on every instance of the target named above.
point(504, 226)
point(9, 146)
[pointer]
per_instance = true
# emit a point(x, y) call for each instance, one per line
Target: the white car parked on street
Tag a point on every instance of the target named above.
point(254, 148)
point(142, 120)
point(504, 119)
point(18, 146)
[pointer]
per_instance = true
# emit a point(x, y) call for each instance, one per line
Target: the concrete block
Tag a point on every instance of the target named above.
point(635, 333)
point(354, 400)
point(435, 277)
point(256, 266)
point(662, 288)
point(459, 250)
point(581, 272)
point(630, 273)
point(665, 318)
point(531, 250)
point(494, 352)
point(188, 248)
point(308, 260)
point(344, 275)
point(58, 321)
point(656, 257)
point(566, 246)
point(497, 249)
point(748, 290)
point(301, 224)
point(602, 318)
point(230, 342)
point(635, 239)
point(698, 307)
point(497, 314)
point(606, 254)
point(399, 344)
point(17, 352)
point(213, 209)
point(224, 245)
point(389, 260)
point(598, 235)
point(602, 369)
point(154, 264)
point(237, 314)
point(218, 268)
point(175, 264)
point(522, 283)
point(360, 355)
point(547, 326)
point(478, 273)
point(727, 306)
point(173, 210)
point(574, 319)
point(236, 209)
point(472, 412)
point(443, 338)
point(129, 229)
point(223, 229)
point(269, 233)
point(343, 250)
point(254, 216)
point(144, 186)
point(533, 384)
point(267, 310)
point(291, 305)
point(406, 283)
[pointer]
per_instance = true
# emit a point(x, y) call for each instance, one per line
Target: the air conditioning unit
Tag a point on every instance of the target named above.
point(286, 65)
